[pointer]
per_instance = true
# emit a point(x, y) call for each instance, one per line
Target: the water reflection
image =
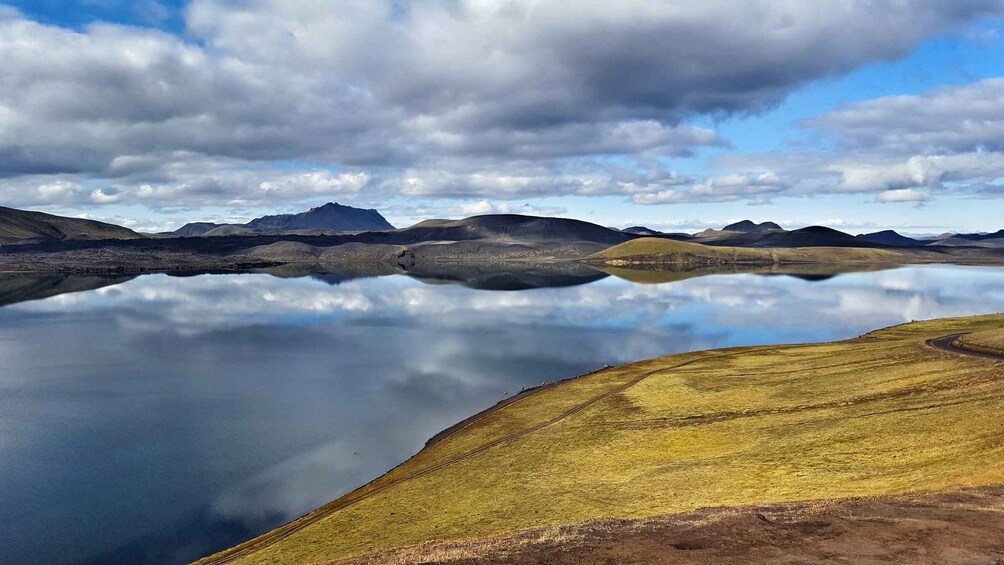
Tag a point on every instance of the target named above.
point(162, 418)
point(22, 288)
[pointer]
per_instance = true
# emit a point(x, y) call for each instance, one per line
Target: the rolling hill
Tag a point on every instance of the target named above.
point(755, 432)
point(889, 237)
point(655, 251)
point(509, 228)
point(195, 229)
point(812, 236)
point(748, 226)
point(18, 226)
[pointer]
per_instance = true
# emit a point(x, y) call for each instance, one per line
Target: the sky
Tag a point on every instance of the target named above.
point(858, 114)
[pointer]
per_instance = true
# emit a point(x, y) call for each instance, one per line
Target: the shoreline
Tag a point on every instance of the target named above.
point(381, 483)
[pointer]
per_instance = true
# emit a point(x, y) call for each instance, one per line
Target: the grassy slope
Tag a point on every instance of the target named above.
point(20, 224)
point(880, 414)
point(655, 250)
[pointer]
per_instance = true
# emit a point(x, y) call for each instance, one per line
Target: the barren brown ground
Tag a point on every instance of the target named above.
point(954, 528)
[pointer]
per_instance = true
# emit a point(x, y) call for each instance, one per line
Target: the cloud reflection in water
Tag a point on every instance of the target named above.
point(163, 418)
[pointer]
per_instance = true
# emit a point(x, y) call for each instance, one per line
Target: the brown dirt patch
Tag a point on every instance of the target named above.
point(952, 528)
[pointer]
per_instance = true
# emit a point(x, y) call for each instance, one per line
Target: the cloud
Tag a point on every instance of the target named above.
point(526, 62)
point(902, 195)
point(948, 120)
point(413, 214)
point(755, 188)
point(902, 148)
point(432, 99)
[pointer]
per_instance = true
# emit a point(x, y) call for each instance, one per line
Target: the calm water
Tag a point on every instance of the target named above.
point(160, 419)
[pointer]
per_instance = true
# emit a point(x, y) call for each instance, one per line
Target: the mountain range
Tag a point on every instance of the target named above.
point(334, 224)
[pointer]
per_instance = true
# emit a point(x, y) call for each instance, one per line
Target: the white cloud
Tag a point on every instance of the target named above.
point(903, 148)
point(902, 195)
point(728, 188)
point(955, 119)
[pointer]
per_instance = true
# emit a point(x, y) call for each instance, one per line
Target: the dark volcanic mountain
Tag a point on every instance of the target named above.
point(22, 226)
point(331, 216)
point(641, 230)
point(889, 237)
point(747, 226)
point(812, 236)
point(504, 228)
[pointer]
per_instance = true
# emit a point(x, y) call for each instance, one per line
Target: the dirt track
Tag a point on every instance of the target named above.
point(947, 343)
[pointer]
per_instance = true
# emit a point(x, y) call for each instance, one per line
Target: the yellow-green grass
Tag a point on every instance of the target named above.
point(881, 414)
point(667, 251)
point(990, 341)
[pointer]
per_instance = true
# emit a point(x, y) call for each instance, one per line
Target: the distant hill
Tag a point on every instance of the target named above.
point(748, 226)
point(986, 240)
point(957, 241)
point(999, 234)
point(812, 236)
point(195, 229)
point(889, 237)
point(19, 226)
point(230, 229)
point(641, 230)
point(331, 217)
point(510, 227)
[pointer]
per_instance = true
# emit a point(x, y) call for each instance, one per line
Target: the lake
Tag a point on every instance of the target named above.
point(157, 419)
